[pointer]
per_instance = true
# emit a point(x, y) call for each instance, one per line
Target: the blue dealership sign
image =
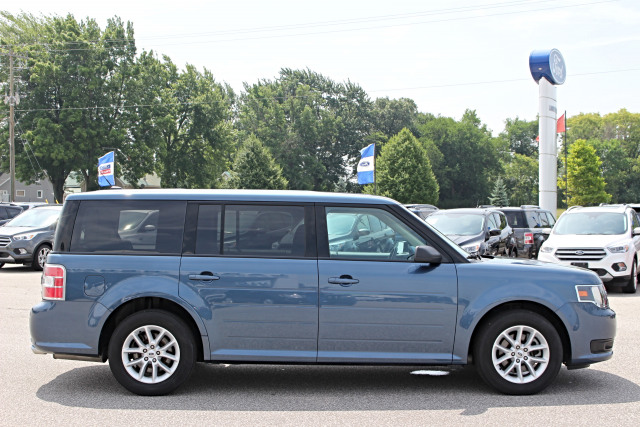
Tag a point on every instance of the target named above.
point(548, 64)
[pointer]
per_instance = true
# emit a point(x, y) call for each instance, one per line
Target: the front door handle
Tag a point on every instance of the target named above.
point(205, 277)
point(344, 280)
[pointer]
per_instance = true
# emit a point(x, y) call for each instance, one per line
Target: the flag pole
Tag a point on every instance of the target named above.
point(566, 165)
point(375, 181)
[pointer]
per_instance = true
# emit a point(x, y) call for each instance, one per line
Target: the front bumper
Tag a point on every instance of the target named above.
point(591, 331)
point(17, 252)
point(603, 267)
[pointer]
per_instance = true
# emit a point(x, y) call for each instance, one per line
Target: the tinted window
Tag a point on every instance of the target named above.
point(270, 231)
point(533, 219)
point(516, 219)
point(551, 219)
point(110, 226)
point(376, 235)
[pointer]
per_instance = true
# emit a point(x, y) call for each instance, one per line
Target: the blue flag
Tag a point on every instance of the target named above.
point(106, 166)
point(366, 165)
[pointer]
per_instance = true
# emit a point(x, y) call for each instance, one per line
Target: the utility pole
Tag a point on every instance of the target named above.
point(12, 100)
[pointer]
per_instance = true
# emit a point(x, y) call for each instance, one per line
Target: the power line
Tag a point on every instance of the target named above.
point(458, 10)
point(277, 98)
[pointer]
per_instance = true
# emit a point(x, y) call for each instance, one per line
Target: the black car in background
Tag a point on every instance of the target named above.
point(478, 231)
point(8, 211)
point(531, 227)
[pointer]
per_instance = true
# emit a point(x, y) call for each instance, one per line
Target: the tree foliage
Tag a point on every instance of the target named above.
point(403, 171)
point(313, 126)
point(499, 196)
point(584, 176)
point(465, 159)
point(255, 168)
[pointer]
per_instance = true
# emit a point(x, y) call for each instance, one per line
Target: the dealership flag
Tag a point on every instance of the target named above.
point(366, 165)
point(106, 166)
point(561, 125)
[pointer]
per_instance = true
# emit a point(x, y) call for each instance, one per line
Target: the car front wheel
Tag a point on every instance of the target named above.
point(518, 352)
point(40, 257)
point(632, 285)
point(151, 352)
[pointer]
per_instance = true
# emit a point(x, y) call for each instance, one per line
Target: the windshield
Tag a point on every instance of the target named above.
point(35, 218)
point(458, 224)
point(591, 223)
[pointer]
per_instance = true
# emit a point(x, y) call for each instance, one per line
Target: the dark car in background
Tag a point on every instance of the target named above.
point(531, 227)
point(422, 210)
point(478, 231)
point(28, 238)
point(8, 211)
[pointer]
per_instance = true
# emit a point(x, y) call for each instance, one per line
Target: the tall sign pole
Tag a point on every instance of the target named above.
point(548, 70)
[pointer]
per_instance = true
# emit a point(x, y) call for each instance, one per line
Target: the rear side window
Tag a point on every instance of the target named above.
point(257, 230)
point(516, 219)
point(116, 226)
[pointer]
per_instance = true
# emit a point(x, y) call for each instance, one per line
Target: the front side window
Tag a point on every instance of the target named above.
point(369, 234)
point(108, 226)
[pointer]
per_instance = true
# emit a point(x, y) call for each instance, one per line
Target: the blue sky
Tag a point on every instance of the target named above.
point(445, 55)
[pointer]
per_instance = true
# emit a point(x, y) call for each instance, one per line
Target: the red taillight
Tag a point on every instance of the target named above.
point(528, 238)
point(53, 282)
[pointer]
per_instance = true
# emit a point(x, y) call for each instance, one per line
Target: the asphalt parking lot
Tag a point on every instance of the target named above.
point(38, 389)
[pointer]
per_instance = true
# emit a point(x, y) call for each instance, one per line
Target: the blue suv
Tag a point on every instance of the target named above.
point(156, 280)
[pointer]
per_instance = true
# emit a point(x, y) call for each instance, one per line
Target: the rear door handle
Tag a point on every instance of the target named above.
point(344, 280)
point(204, 277)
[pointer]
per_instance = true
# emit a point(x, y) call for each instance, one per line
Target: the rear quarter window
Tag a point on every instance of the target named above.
point(140, 226)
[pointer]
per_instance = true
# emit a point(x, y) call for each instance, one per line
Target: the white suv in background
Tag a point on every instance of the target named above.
point(604, 239)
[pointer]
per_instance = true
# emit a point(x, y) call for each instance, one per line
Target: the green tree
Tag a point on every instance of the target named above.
point(193, 122)
point(76, 86)
point(499, 196)
point(254, 167)
point(585, 181)
point(390, 116)
point(520, 135)
point(521, 178)
point(403, 171)
point(313, 126)
point(466, 158)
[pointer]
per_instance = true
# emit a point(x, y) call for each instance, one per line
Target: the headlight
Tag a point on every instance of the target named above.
point(618, 249)
point(595, 294)
point(472, 249)
point(27, 236)
point(546, 249)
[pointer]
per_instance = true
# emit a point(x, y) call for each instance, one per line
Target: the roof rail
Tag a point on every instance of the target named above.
point(530, 207)
point(487, 206)
point(572, 208)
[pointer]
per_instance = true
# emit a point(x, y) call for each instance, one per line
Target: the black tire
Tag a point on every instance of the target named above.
point(175, 351)
point(632, 286)
point(536, 330)
point(40, 257)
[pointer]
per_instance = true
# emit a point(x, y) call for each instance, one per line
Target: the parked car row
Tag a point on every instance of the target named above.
point(604, 239)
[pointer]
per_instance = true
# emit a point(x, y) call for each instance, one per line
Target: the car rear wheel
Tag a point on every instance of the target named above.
point(518, 352)
point(632, 285)
point(40, 257)
point(152, 352)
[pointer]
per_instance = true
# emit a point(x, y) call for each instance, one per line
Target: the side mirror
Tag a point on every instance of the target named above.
point(636, 231)
point(546, 230)
point(427, 255)
point(363, 232)
point(494, 232)
point(149, 228)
